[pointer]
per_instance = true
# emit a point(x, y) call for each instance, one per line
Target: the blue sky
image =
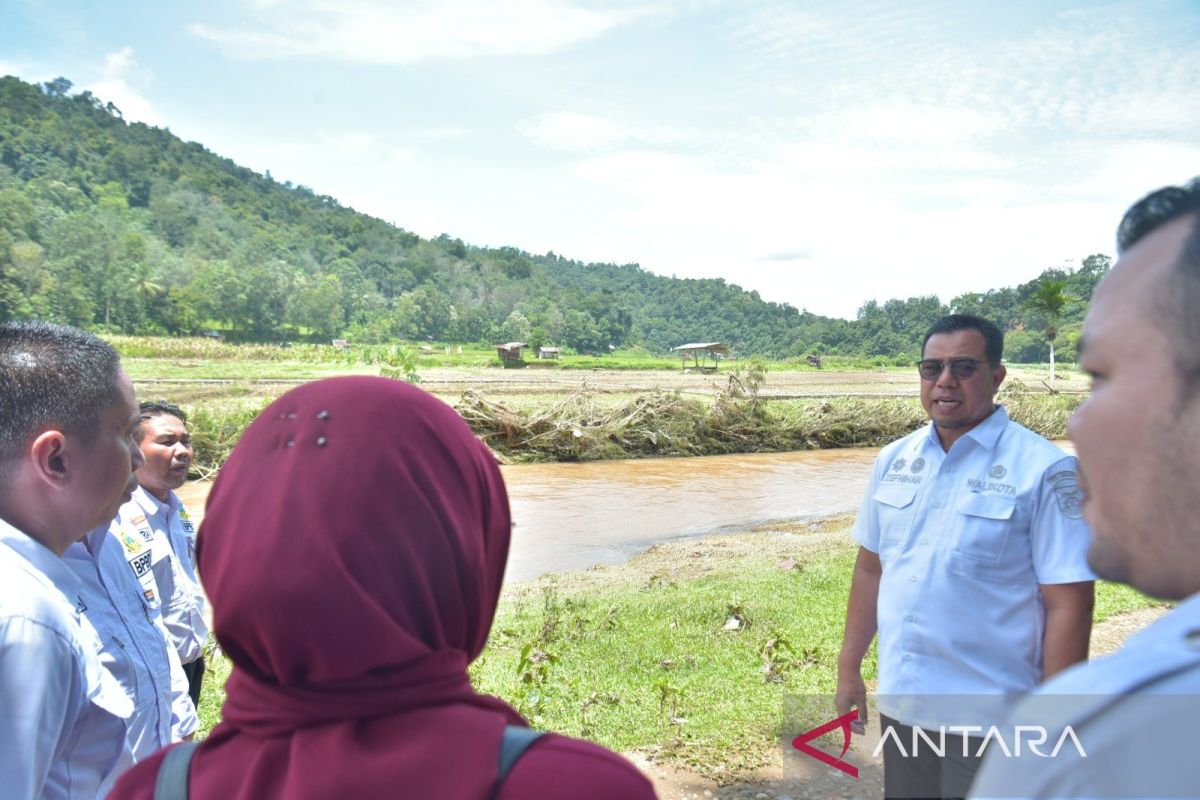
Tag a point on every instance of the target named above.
point(821, 153)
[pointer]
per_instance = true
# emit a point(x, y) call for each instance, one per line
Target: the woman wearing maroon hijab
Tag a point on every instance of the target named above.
point(353, 549)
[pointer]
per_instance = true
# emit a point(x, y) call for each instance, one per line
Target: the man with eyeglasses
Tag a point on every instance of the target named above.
point(972, 568)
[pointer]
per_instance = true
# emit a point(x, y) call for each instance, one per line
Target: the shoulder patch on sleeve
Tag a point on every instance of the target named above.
point(1067, 492)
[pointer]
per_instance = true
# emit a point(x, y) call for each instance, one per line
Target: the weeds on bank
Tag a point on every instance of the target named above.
point(673, 668)
point(215, 432)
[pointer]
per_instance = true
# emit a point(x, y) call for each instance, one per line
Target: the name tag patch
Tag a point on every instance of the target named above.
point(140, 564)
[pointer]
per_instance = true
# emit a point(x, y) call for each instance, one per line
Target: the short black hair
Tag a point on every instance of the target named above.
point(1157, 209)
point(993, 337)
point(53, 376)
point(156, 408)
point(1179, 296)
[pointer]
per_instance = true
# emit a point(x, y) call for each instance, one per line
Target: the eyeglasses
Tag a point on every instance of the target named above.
point(961, 368)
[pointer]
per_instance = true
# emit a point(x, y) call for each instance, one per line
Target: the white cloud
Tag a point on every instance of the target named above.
point(350, 144)
point(399, 157)
point(575, 132)
point(379, 32)
point(30, 73)
point(828, 240)
point(119, 64)
point(11, 68)
point(113, 88)
point(571, 131)
point(896, 120)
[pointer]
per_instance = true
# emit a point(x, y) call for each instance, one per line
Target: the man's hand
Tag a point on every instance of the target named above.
point(852, 693)
point(860, 630)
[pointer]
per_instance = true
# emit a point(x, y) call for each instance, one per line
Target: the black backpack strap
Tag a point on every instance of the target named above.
point(172, 780)
point(516, 741)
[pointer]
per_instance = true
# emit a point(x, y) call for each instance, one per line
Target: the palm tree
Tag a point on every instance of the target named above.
point(1049, 299)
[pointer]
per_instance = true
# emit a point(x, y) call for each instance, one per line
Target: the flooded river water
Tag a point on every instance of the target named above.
point(571, 516)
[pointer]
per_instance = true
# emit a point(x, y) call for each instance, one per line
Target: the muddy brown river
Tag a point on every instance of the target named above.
point(572, 516)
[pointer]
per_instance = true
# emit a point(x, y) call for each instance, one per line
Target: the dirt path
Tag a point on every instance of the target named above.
point(805, 778)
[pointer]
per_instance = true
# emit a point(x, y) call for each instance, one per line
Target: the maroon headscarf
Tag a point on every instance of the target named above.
point(353, 548)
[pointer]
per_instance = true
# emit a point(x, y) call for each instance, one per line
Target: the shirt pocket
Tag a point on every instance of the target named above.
point(984, 524)
point(894, 506)
point(103, 688)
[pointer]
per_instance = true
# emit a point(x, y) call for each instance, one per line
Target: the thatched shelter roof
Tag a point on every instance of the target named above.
point(715, 348)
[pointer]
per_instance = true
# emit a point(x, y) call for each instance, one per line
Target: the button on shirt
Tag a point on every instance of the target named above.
point(1132, 714)
point(62, 715)
point(965, 538)
point(134, 643)
point(170, 564)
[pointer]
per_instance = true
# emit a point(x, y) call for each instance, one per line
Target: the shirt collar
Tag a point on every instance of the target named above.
point(151, 504)
point(985, 434)
point(43, 560)
point(95, 540)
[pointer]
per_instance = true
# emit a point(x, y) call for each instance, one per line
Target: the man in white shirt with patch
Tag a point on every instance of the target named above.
point(971, 567)
point(157, 517)
point(1138, 439)
point(135, 646)
point(67, 459)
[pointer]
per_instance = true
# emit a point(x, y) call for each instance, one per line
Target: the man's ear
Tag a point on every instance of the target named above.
point(49, 457)
point(998, 377)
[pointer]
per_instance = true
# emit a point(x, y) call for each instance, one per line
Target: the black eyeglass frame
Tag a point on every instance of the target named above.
point(961, 368)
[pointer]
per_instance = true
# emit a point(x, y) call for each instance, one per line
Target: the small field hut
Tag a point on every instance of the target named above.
point(713, 351)
point(511, 352)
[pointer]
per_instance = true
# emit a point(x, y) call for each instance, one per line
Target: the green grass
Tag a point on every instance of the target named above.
point(636, 660)
point(644, 662)
point(1117, 598)
point(212, 688)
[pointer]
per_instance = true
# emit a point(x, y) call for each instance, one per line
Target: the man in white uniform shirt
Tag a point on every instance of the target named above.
point(135, 647)
point(1138, 438)
point(971, 566)
point(67, 459)
point(156, 516)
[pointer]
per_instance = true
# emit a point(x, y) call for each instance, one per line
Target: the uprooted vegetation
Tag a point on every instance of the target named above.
point(593, 423)
point(581, 427)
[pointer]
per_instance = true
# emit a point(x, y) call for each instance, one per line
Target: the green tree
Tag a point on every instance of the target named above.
point(1048, 300)
point(516, 328)
point(317, 305)
point(580, 332)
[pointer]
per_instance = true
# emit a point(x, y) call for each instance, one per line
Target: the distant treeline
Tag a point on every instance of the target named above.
point(109, 224)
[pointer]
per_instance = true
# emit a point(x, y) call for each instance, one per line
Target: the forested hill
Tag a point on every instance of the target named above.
point(107, 223)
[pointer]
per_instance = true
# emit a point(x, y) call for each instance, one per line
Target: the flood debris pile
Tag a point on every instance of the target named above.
point(585, 425)
point(577, 428)
point(1043, 413)
point(214, 433)
point(736, 420)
